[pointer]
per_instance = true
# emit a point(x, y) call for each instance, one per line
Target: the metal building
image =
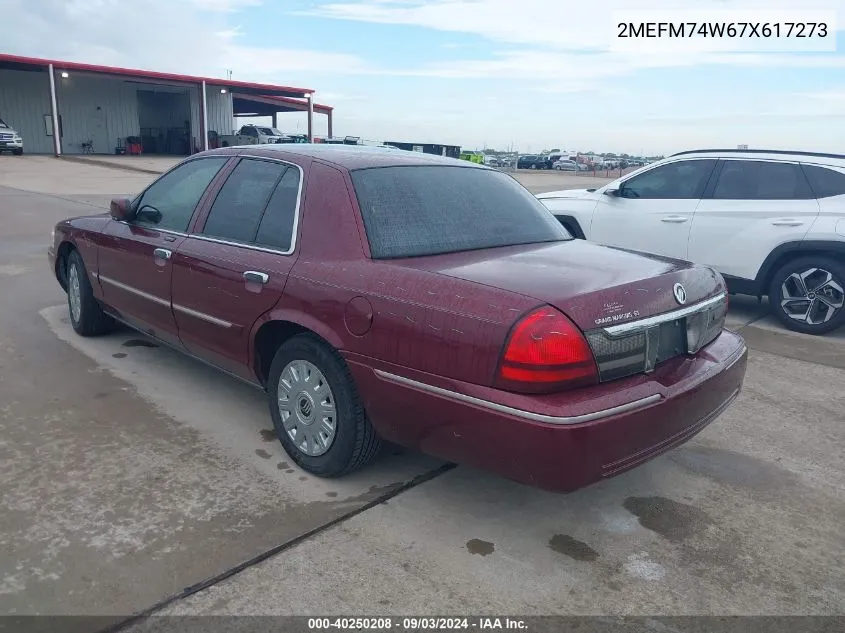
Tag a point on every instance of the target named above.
point(72, 108)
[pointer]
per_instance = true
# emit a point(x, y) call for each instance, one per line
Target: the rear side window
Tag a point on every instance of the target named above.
point(825, 182)
point(761, 180)
point(276, 227)
point(239, 206)
point(418, 210)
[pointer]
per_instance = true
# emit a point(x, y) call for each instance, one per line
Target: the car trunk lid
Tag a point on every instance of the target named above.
point(593, 285)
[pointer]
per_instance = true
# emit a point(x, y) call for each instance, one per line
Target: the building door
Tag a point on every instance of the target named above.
point(100, 133)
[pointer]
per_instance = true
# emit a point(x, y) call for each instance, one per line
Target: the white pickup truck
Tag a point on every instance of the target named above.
point(10, 140)
point(252, 135)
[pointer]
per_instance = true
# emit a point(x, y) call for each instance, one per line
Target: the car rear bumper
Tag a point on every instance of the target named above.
point(560, 442)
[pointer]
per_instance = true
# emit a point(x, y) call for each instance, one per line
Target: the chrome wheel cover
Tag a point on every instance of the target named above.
point(307, 407)
point(813, 296)
point(74, 293)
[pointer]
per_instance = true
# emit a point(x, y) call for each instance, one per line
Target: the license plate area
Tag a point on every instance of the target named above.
point(665, 341)
point(637, 352)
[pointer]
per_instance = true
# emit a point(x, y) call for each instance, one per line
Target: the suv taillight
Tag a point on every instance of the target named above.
point(545, 352)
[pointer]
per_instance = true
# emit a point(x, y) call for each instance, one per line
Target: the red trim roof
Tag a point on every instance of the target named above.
point(148, 74)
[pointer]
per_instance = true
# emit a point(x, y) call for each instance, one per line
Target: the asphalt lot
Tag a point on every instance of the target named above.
point(129, 473)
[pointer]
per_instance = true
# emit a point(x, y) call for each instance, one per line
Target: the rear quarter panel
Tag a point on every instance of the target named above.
point(830, 222)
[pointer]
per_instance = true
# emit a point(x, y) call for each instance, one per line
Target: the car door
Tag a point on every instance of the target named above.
point(653, 210)
point(234, 266)
point(753, 207)
point(134, 267)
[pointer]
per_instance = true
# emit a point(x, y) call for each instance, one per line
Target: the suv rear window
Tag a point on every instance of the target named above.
point(417, 210)
point(825, 182)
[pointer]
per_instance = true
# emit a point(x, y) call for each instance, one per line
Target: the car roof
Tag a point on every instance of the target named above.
point(348, 156)
point(773, 154)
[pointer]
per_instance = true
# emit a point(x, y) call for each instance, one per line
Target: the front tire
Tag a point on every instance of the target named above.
point(808, 295)
point(317, 411)
point(17, 152)
point(86, 314)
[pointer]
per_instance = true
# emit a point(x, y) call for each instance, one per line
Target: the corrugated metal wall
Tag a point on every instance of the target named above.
point(98, 109)
point(24, 100)
point(221, 117)
point(195, 115)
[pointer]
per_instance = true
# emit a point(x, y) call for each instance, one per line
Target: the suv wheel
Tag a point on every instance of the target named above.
point(808, 295)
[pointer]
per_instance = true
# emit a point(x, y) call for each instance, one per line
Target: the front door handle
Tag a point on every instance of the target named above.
point(162, 253)
point(256, 277)
point(674, 219)
point(787, 222)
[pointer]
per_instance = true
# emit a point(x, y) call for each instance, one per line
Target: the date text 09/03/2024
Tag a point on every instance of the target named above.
point(417, 624)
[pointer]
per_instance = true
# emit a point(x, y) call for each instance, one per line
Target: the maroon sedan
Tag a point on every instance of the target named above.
point(377, 294)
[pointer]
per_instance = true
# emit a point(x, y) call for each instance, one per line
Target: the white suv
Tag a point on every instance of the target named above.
point(10, 139)
point(772, 222)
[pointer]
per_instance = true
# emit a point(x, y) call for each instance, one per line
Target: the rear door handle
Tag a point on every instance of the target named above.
point(162, 253)
point(256, 276)
point(787, 222)
point(674, 219)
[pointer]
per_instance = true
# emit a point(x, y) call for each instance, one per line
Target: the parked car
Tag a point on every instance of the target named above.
point(532, 161)
point(255, 135)
point(10, 140)
point(472, 156)
point(566, 165)
point(772, 222)
point(445, 310)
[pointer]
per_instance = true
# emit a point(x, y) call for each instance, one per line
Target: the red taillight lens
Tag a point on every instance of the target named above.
point(546, 352)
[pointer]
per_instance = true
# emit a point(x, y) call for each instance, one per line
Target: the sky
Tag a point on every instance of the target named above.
point(527, 74)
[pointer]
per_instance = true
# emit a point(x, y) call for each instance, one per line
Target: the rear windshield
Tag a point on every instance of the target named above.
point(411, 211)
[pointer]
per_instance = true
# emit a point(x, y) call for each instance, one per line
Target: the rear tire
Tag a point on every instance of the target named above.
point(86, 314)
point(807, 295)
point(317, 411)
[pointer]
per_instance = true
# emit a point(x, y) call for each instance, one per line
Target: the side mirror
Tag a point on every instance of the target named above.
point(121, 209)
point(612, 192)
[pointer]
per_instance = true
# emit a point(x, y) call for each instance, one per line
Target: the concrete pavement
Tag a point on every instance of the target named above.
point(129, 473)
point(118, 493)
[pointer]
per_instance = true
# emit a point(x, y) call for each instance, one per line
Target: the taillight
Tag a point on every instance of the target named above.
point(545, 352)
